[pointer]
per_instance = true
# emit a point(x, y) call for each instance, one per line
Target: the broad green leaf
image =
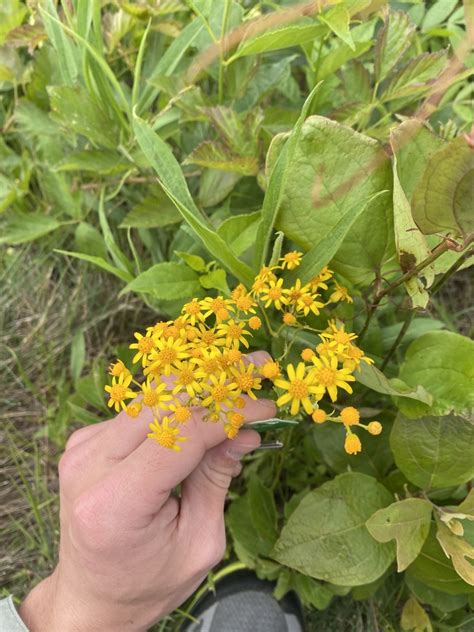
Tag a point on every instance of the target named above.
point(239, 231)
point(65, 49)
point(338, 18)
point(214, 155)
point(277, 182)
point(312, 593)
point(79, 114)
point(166, 281)
point(23, 227)
point(318, 194)
point(245, 539)
point(100, 263)
point(411, 244)
point(392, 41)
point(417, 328)
point(154, 211)
point(263, 511)
point(215, 186)
point(414, 617)
point(172, 180)
point(99, 161)
point(340, 52)
point(406, 521)
point(435, 570)
point(315, 539)
point(415, 76)
point(433, 597)
point(193, 261)
point(434, 452)
point(453, 516)
point(78, 354)
point(215, 280)
point(89, 241)
point(441, 362)
point(444, 198)
point(275, 39)
point(459, 550)
point(370, 376)
point(437, 13)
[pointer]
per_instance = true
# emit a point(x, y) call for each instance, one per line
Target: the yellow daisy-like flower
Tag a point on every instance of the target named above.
point(254, 322)
point(209, 337)
point(309, 303)
point(165, 434)
point(329, 378)
point(209, 363)
point(341, 293)
point(239, 291)
point(245, 379)
point(338, 337)
point(133, 409)
point(266, 273)
point(296, 291)
point(192, 312)
point(167, 355)
point(291, 260)
point(274, 294)
point(270, 370)
point(155, 396)
point(245, 304)
point(144, 346)
point(221, 393)
point(300, 387)
point(119, 391)
point(234, 333)
point(350, 416)
point(318, 281)
point(352, 356)
point(117, 368)
point(180, 412)
point(186, 381)
point(218, 307)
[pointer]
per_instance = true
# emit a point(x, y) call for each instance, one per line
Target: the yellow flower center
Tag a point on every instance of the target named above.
point(245, 381)
point(307, 300)
point(216, 305)
point(220, 393)
point(133, 410)
point(145, 345)
point(319, 416)
point(168, 355)
point(289, 319)
point(150, 398)
point(208, 337)
point(255, 322)
point(234, 355)
point(211, 365)
point(342, 337)
point(244, 303)
point(270, 370)
point(307, 354)
point(222, 314)
point(166, 438)
point(182, 414)
point(186, 377)
point(275, 293)
point(295, 295)
point(192, 308)
point(118, 392)
point(326, 376)
point(298, 389)
point(350, 415)
point(375, 427)
point(234, 331)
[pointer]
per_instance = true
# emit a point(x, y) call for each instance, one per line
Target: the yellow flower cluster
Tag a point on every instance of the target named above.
point(198, 358)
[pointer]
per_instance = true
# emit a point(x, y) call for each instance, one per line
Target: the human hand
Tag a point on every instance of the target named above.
point(130, 552)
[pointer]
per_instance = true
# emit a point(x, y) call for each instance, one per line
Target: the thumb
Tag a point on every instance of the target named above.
point(204, 492)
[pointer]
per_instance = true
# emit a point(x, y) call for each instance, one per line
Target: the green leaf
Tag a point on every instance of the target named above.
point(78, 354)
point(276, 39)
point(166, 281)
point(276, 185)
point(215, 186)
point(435, 570)
point(312, 593)
point(318, 194)
point(340, 52)
point(100, 263)
point(239, 231)
point(263, 511)
point(407, 522)
point(246, 541)
point(99, 161)
point(154, 211)
point(434, 452)
point(172, 180)
point(118, 257)
point(217, 280)
point(459, 551)
point(89, 241)
point(436, 598)
point(392, 41)
point(338, 19)
point(215, 155)
point(441, 362)
point(271, 424)
point(23, 227)
point(445, 197)
point(370, 376)
point(411, 244)
point(315, 539)
point(414, 617)
point(414, 78)
point(193, 261)
point(438, 13)
point(65, 49)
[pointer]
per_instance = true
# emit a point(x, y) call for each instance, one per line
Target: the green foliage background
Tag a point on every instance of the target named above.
point(127, 148)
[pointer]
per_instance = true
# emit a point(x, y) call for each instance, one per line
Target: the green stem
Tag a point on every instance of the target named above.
point(406, 325)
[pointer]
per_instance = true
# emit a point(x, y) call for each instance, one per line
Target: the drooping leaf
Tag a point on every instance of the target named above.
point(459, 551)
point(326, 536)
point(370, 376)
point(166, 281)
point(414, 617)
point(318, 194)
point(193, 261)
point(100, 263)
point(23, 227)
point(215, 280)
point(89, 241)
point(440, 362)
point(392, 41)
point(444, 198)
point(406, 521)
point(65, 49)
point(434, 452)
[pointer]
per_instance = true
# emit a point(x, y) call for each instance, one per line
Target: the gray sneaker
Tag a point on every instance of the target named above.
point(244, 603)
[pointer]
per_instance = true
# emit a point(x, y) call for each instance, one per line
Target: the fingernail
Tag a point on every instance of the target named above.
point(271, 445)
point(236, 452)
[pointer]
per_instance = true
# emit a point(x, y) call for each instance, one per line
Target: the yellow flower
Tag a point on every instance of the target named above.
point(352, 357)
point(352, 443)
point(235, 421)
point(319, 416)
point(218, 307)
point(192, 312)
point(318, 281)
point(341, 293)
point(165, 435)
point(239, 292)
point(234, 333)
point(118, 368)
point(155, 395)
point(309, 303)
point(245, 379)
point(266, 273)
point(329, 378)
point(181, 413)
point(374, 427)
point(295, 292)
point(144, 346)
point(307, 354)
point(338, 337)
point(274, 294)
point(270, 370)
point(133, 410)
point(291, 260)
point(245, 304)
point(119, 391)
point(299, 388)
point(186, 381)
point(208, 337)
point(350, 416)
point(255, 322)
point(220, 393)
point(167, 355)
point(208, 363)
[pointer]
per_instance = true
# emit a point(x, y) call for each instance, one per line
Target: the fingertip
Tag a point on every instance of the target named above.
point(258, 358)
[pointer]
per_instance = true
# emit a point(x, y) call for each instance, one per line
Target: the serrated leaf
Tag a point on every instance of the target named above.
point(392, 41)
point(407, 522)
point(276, 39)
point(434, 452)
point(459, 551)
point(338, 19)
point(166, 281)
point(340, 52)
point(413, 78)
point(315, 539)
point(214, 155)
point(24, 227)
point(370, 376)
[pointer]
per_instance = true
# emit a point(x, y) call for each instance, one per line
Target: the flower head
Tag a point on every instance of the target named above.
point(119, 391)
point(299, 388)
point(165, 434)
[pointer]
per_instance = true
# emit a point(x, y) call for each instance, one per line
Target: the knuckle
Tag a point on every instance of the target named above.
point(87, 524)
point(75, 438)
point(218, 472)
